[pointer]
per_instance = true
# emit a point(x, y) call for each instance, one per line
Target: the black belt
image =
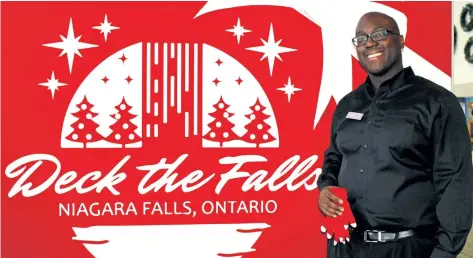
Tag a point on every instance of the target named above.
point(378, 236)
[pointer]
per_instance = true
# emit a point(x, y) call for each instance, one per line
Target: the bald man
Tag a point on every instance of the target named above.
point(400, 146)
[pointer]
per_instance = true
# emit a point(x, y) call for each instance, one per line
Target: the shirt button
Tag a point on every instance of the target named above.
point(370, 122)
point(377, 101)
point(361, 170)
point(360, 196)
point(365, 146)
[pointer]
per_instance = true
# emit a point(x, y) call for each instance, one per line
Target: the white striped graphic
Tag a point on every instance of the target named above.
point(165, 83)
point(187, 68)
point(148, 130)
point(179, 77)
point(155, 130)
point(156, 86)
point(186, 124)
point(172, 50)
point(172, 91)
point(196, 86)
point(156, 52)
point(156, 105)
point(148, 78)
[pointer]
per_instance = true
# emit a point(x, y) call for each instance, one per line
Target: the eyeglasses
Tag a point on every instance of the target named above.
point(376, 36)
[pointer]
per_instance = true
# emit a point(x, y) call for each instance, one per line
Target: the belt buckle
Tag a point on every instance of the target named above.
point(365, 236)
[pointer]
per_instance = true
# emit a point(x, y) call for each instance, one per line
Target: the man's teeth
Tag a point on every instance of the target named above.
point(375, 55)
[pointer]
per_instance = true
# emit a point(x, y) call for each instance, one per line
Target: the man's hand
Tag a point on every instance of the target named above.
point(333, 203)
point(329, 203)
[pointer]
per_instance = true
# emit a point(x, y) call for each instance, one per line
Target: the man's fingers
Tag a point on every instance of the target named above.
point(333, 212)
point(334, 198)
point(335, 207)
point(328, 211)
point(330, 204)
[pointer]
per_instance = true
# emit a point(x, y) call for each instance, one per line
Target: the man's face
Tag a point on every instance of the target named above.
point(377, 57)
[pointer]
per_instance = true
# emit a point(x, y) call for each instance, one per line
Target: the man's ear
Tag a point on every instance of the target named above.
point(401, 38)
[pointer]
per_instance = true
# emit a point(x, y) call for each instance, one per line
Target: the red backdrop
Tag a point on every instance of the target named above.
point(31, 121)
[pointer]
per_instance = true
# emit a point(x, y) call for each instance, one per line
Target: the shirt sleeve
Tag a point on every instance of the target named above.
point(332, 160)
point(452, 178)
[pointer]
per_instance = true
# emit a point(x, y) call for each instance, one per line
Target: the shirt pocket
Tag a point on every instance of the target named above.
point(397, 129)
point(349, 135)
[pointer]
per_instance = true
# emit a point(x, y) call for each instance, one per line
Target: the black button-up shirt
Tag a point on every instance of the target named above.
point(407, 162)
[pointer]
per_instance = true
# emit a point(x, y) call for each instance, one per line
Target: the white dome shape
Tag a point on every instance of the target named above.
point(128, 97)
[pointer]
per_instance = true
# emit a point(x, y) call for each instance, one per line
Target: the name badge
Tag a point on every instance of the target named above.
point(355, 116)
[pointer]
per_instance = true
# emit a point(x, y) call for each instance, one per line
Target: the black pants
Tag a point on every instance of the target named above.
point(411, 247)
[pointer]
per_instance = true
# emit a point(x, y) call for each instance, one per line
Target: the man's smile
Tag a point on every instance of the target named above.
point(373, 56)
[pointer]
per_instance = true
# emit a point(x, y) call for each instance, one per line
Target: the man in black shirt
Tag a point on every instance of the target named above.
point(400, 146)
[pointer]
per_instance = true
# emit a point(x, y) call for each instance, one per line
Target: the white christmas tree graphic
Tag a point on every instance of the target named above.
point(123, 129)
point(85, 128)
point(258, 129)
point(221, 128)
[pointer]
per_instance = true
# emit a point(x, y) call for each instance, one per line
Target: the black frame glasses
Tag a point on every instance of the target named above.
point(375, 36)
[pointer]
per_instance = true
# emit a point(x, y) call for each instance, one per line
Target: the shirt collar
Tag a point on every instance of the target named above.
point(395, 82)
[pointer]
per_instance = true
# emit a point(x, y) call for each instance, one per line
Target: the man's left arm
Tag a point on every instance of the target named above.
point(453, 178)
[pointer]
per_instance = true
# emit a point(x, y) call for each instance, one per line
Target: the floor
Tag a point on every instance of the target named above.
point(468, 250)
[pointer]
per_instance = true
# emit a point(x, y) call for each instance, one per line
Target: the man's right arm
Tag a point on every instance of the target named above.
point(332, 160)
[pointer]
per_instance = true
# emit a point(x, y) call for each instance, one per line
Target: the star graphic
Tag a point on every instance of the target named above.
point(52, 84)
point(238, 30)
point(239, 80)
point(289, 89)
point(105, 79)
point(271, 49)
point(70, 45)
point(128, 79)
point(105, 27)
point(123, 58)
point(219, 62)
point(216, 81)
